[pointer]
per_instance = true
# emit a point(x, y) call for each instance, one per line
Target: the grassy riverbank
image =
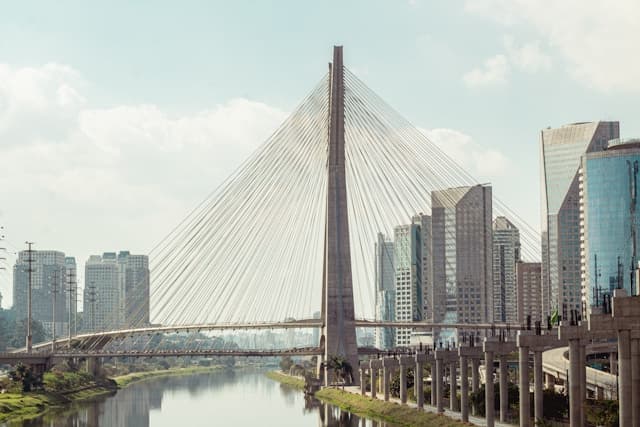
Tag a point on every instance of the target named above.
point(289, 380)
point(394, 413)
point(59, 389)
point(128, 379)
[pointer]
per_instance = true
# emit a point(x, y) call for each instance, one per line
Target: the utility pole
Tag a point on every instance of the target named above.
point(72, 291)
point(54, 291)
point(30, 272)
point(92, 300)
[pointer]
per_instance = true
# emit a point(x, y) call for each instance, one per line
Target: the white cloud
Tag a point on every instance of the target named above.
point(481, 162)
point(493, 72)
point(597, 40)
point(528, 57)
point(83, 179)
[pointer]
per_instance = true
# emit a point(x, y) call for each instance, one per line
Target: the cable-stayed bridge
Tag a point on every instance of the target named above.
point(290, 234)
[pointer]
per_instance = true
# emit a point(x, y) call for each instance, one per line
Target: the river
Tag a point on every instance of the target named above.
point(238, 398)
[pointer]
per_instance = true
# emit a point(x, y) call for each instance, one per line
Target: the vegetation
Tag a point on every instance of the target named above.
point(603, 413)
point(341, 368)
point(286, 379)
point(400, 415)
point(13, 332)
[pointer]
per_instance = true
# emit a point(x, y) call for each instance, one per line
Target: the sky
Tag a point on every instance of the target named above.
point(117, 118)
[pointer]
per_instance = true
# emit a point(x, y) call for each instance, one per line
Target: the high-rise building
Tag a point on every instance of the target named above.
point(562, 149)
point(48, 276)
point(407, 246)
point(136, 288)
point(116, 291)
point(462, 256)
point(609, 229)
point(529, 281)
point(427, 275)
point(385, 291)
point(506, 253)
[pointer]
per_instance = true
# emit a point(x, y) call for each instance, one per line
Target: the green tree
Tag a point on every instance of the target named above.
point(24, 375)
point(341, 368)
point(285, 364)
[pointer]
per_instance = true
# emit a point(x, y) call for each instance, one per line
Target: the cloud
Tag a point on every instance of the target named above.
point(598, 41)
point(493, 72)
point(479, 161)
point(528, 57)
point(78, 178)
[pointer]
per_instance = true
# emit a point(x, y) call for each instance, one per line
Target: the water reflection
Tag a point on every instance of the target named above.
point(239, 398)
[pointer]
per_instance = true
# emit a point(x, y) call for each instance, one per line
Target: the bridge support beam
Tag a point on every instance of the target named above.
point(538, 386)
point(438, 383)
point(523, 363)
point(504, 388)
point(635, 382)
point(418, 379)
point(453, 386)
point(489, 404)
point(405, 363)
point(464, 389)
point(374, 366)
point(475, 379)
point(388, 365)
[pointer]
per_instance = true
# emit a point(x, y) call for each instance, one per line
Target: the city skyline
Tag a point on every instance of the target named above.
point(85, 159)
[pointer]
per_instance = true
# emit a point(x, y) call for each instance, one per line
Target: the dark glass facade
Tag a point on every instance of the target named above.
point(611, 218)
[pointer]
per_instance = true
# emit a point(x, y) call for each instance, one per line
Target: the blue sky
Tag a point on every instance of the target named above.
point(91, 91)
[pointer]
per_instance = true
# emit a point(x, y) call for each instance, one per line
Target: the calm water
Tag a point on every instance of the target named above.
point(232, 398)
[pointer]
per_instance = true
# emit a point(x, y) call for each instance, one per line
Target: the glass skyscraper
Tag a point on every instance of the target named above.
point(611, 217)
point(562, 149)
point(385, 291)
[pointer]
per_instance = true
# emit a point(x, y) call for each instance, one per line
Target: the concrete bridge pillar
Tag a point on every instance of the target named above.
point(624, 378)
point(464, 389)
point(489, 398)
point(363, 382)
point(94, 365)
point(583, 381)
point(537, 386)
point(475, 378)
point(405, 363)
point(575, 401)
point(635, 382)
point(504, 388)
point(439, 389)
point(523, 362)
point(453, 386)
point(388, 365)
point(418, 380)
point(434, 387)
point(374, 366)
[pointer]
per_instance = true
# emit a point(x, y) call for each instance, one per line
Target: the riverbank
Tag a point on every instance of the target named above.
point(400, 415)
point(123, 381)
point(290, 380)
point(61, 389)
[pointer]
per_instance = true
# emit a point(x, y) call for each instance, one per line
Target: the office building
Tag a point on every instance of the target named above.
point(385, 291)
point(462, 256)
point(529, 297)
point(562, 149)
point(48, 275)
point(610, 219)
point(506, 253)
point(407, 246)
point(116, 291)
point(427, 275)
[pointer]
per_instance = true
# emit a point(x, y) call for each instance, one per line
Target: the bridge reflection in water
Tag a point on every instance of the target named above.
point(239, 398)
